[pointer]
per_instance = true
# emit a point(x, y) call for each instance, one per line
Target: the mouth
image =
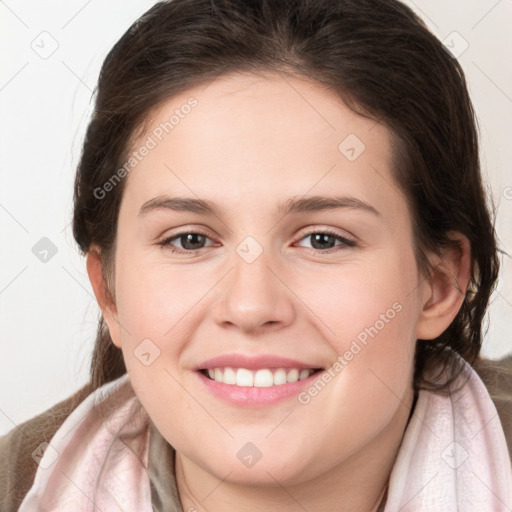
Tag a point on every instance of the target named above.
point(244, 380)
point(258, 378)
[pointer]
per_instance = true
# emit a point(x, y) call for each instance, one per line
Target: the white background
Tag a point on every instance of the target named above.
point(48, 313)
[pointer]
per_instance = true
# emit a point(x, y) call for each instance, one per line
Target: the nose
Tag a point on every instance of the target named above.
point(255, 296)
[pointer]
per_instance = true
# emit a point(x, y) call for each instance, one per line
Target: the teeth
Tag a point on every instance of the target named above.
point(263, 378)
point(243, 377)
point(279, 377)
point(292, 375)
point(229, 376)
point(304, 374)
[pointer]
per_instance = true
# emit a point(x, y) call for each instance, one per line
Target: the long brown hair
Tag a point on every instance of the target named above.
point(377, 55)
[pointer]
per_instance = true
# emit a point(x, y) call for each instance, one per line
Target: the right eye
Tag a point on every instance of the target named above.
point(190, 240)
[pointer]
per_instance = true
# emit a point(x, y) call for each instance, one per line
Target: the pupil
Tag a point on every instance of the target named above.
point(191, 238)
point(319, 237)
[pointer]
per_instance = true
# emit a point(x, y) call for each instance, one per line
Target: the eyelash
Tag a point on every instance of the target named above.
point(346, 242)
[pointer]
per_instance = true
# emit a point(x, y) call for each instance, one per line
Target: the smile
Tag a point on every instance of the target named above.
point(261, 378)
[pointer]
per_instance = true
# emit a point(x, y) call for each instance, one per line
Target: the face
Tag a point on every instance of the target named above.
point(298, 293)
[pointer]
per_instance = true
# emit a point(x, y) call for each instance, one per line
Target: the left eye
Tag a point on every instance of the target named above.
point(193, 241)
point(319, 238)
point(190, 239)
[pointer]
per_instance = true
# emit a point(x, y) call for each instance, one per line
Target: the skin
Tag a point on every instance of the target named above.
point(251, 143)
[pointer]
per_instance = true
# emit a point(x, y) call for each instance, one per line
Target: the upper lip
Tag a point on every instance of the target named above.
point(253, 362)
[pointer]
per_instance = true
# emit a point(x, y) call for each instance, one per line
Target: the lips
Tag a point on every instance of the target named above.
point(256, 363)
point(255, 381)
point(240, 372)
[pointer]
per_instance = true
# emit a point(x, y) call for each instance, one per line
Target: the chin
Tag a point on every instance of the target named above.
point(245, 468)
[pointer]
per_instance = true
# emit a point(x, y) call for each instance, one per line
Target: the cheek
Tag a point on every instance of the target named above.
point(153, 299)
point(155, 314)
point(154, 305)
point(362, 299)
point(369, 315)
point(371, 319)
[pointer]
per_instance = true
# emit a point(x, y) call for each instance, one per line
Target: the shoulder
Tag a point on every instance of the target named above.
point(497, 377)
point(17, 466)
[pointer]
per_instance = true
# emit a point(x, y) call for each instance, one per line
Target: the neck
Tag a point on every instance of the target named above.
point(357, 483)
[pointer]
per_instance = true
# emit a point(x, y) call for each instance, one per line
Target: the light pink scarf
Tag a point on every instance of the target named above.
point(453, 456)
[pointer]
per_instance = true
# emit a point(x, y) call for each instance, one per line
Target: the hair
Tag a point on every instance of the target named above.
point(378, 57)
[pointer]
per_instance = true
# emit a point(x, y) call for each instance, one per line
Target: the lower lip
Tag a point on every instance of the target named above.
point(255, 396)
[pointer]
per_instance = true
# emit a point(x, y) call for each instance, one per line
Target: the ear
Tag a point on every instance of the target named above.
point(444, 293)
point(103, 296)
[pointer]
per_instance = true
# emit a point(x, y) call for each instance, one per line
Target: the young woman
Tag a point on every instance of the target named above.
point(285, 228)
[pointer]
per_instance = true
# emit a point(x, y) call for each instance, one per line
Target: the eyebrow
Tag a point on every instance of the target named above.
point(293, 205)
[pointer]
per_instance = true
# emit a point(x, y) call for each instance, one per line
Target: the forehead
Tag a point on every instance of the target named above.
point(268, 137)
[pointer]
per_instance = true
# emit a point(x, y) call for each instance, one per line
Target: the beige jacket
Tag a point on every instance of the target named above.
point(18, 467)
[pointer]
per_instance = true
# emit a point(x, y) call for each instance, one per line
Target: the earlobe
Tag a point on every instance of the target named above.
point(445, 291)
point(103, 296)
